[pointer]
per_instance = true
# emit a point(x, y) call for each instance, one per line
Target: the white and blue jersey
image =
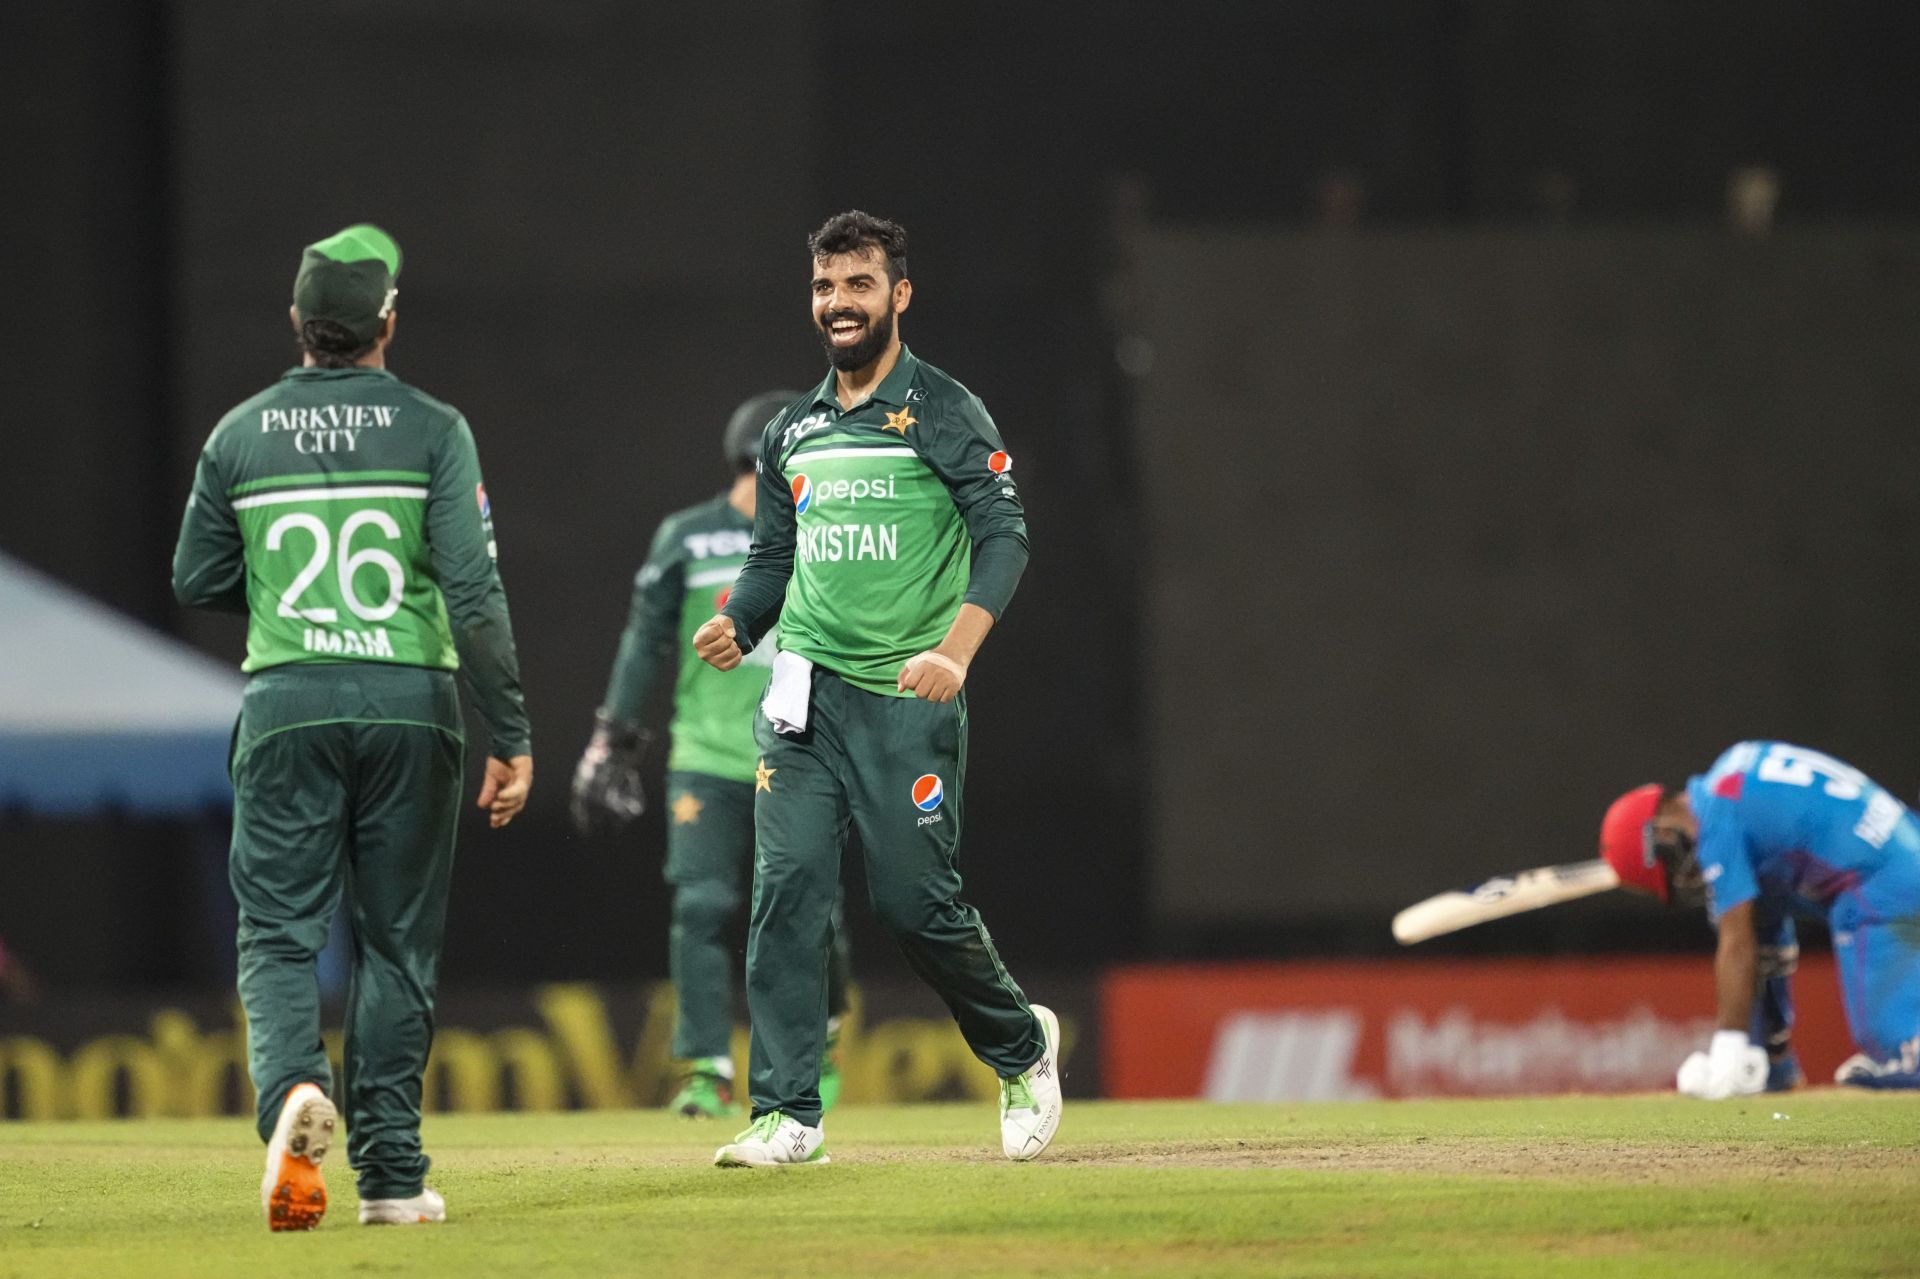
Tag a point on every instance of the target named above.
point(1798, 832)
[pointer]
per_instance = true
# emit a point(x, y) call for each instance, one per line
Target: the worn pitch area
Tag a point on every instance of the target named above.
point(1546, 1152)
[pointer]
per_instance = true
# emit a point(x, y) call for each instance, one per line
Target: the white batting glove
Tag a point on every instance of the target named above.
point(1732, 1066)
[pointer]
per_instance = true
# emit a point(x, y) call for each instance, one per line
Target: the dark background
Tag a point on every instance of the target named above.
point(1414, 457)
point(1548, 514)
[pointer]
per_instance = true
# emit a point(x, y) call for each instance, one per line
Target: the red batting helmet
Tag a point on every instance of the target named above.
point(1627, 842)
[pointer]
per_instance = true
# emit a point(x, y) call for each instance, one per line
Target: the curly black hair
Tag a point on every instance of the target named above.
point(854, 232)
point(331, 345)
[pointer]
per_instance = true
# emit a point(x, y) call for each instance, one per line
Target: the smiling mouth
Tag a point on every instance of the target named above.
point(845, 330)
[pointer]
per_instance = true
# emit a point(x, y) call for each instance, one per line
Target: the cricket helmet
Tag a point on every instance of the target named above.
point(744, 427)
point(1627, 842)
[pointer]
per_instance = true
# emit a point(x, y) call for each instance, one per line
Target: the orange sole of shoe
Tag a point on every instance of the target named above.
point(299, 1196)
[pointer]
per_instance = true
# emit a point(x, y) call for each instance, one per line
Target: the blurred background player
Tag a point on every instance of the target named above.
point(888, 538)
point(343, 512)
point(1769, 831)
point(17, 985)
point(695, 555)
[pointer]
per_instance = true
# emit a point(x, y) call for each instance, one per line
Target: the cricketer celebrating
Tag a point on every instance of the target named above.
point(695, 556)
point(889, 527)
point(342, 510)
point(1769, 831)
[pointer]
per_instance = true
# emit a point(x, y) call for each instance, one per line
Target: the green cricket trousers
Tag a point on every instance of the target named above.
point(709, 851)
point(894, 767)
point(346, 781)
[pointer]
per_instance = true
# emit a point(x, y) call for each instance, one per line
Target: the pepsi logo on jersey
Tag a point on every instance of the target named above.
point(927, 796)
point(848, 491)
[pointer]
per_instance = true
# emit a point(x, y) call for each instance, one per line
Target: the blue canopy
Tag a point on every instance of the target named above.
point(99, 713)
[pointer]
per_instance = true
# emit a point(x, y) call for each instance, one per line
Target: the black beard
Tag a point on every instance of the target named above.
point(862, 353)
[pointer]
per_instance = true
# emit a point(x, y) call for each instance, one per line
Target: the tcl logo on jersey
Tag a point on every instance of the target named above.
point(727, 541)
point(927, 794)
point(848, 491)
point(805, 426)
point(1000, 463)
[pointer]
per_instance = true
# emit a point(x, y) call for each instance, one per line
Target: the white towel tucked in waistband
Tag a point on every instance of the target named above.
point(788, 694)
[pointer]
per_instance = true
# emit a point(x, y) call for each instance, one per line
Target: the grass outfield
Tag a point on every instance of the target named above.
point(1579, 1186)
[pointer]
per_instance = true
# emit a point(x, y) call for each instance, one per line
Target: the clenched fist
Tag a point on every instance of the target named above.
point(932, 676)
point(714, 643)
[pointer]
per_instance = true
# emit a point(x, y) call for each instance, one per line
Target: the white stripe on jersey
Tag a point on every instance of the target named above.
point(712, 576)
point(331, 494)
point(801, 454)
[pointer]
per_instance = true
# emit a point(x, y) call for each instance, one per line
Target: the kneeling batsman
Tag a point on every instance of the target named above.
point(1771, 831)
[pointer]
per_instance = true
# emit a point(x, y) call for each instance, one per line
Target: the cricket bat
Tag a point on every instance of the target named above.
point(1500, 897)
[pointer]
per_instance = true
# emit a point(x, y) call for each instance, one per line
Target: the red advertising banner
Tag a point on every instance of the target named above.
point(1323, 1032)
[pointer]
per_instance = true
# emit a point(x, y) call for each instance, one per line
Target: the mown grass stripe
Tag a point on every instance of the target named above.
point(1788, 1185)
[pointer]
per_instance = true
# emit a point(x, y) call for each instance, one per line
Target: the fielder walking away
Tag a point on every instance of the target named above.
point(343, 512)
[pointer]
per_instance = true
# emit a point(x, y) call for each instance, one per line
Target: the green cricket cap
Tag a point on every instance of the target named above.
point(349, 278)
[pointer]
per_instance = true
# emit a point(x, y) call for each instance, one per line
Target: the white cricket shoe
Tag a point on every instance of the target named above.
point(775, 1140)
point(1030, 1101)
point(292, 1191)
point(424, 1209)
point(1902, 1070)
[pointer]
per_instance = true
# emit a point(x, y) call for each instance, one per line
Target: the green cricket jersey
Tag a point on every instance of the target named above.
point(876, 523)
point(689, 573)
point(343, 511)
